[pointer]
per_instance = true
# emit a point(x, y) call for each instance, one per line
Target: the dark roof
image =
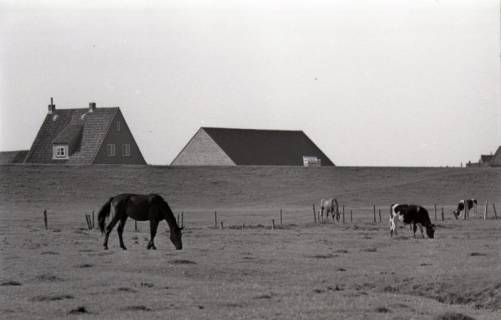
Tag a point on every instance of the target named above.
point(484, 158)
point(496, 158)
point(67, 126)
point(13, 156)
point(266, 147)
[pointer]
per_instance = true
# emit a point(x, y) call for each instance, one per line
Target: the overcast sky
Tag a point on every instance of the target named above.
point(411, 83)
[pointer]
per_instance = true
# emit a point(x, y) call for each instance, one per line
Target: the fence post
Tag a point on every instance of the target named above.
point(380, 216)
point(343, 213)
point(215, 219)
point(435, 207)
point(374, 210)
point(135, 226)
point(495, 212)
point(314, 214)
point(222, 226)
point(486, 209)
point(280, 216)
point(272, 224)
point(442, 213)
point(351, 215)
point(93, 224)
point(45, 220)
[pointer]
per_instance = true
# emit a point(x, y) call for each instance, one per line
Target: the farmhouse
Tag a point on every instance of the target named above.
point(84, 136)
point(232, 147)
point(488, 160)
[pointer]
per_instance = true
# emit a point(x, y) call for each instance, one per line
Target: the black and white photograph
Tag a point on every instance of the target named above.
point(238, 159)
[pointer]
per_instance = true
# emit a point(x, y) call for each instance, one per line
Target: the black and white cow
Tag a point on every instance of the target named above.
point(469, 203)
point(413, 215)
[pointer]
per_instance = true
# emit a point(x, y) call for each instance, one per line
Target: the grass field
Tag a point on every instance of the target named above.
point(300, 270)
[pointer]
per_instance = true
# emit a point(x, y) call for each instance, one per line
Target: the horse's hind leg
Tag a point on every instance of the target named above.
point(153, 232)
point(120, 230)
point(109, 228)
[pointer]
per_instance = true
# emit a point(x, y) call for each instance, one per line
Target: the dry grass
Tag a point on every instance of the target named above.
point(302, 270)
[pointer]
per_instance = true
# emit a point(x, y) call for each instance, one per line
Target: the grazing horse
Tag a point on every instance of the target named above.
point(330, 206)
point(413, 215)
point(461, 206)
point(141, 208)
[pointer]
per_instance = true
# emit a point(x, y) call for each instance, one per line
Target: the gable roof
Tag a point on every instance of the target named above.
point(266, 147)
point(496, 158)
point(67, 126)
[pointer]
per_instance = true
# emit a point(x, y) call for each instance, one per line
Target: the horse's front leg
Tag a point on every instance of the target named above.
point(120, 230)
point(153, 232)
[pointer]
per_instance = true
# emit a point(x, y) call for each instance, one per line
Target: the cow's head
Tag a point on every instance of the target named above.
point(474, 201)
point(430, 231)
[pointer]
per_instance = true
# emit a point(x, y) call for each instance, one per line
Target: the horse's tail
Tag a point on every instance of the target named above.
point(103, 213)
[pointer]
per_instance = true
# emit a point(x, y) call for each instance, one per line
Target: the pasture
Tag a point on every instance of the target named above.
point(299, 270)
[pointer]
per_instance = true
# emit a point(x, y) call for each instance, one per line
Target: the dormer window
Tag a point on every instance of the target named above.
point(60, 152)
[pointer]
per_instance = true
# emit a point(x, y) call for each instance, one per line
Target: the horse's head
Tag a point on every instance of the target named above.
point(175, 237)
point(430, 231)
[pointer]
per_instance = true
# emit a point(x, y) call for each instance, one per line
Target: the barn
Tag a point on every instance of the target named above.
point(250, 147)
point(84, 136)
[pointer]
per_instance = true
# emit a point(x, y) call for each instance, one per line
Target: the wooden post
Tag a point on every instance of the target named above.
point(374, 210)
point(136, 229)
point(442, 213)
point(45, 220)
point(314, 214)
point(351, 216)
point(380, 216)
point(486, 209)
point(222, 226)
point(495, 212)
point(272, 224)
point(215, 219)
point(435, 208)
point(93, 224)
point(343, 213)
point(280, 216)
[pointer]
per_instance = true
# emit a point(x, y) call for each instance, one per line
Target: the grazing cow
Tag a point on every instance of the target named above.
point(469, 204)
point(413, 215)
point(329, 206)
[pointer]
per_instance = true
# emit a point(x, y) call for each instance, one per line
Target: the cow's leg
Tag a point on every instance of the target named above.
point(414, 228)
point(393, 226)
point(120, 230)
point(153, 232)
point(421, 229)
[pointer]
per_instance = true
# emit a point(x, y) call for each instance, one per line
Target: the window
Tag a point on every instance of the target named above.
point(126, 150)
point(60, 152)
point(118, 125)
point(111, 150)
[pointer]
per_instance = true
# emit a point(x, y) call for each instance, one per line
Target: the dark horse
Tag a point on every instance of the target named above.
point(139, 207)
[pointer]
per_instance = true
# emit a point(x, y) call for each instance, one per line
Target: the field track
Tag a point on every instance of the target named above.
point(300, 270)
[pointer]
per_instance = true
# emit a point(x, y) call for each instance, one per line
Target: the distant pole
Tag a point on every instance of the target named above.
point(486, 208)
point(442, 213)
point(343, 213)
point(374, 210)
point(135, 226)
point(314, 214)
point(272, 224)
point(222, 226)
point(495, 212)
point(93, 224)
point(280, 216)
point(351, 216)
point(435, 207)
point(45, 220)
point(215, 219)
point(380, 216)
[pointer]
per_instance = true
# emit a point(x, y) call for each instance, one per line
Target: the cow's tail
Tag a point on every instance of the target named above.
point(103, 213)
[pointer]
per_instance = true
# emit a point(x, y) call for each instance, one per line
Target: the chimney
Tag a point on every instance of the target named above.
point(52, 106)
point(92, 106)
